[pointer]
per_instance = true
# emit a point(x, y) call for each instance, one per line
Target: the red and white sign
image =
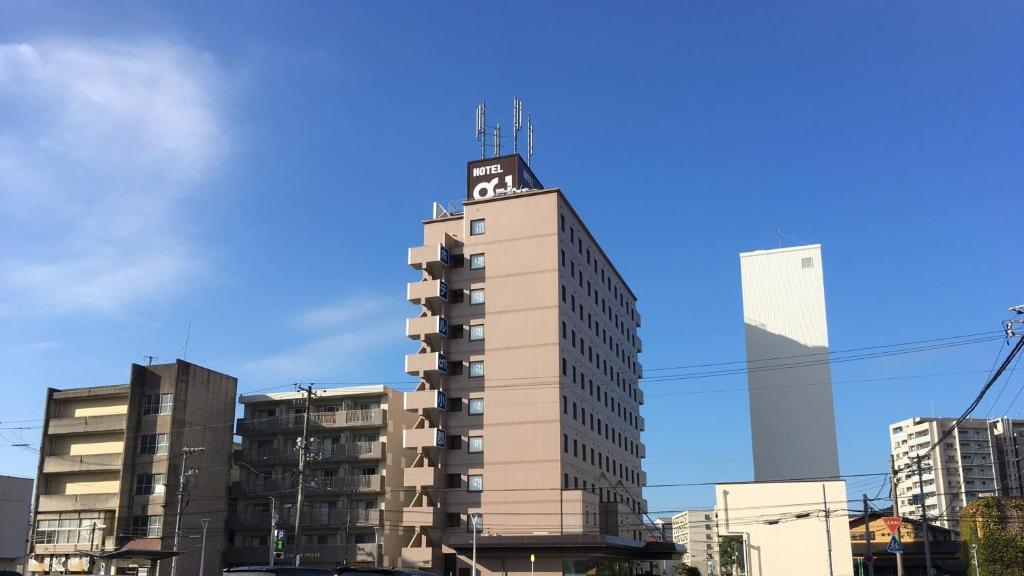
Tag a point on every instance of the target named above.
point(893, 524)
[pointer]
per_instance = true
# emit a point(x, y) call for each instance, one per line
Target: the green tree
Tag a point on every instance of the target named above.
point(684, 569)
point(728, 555)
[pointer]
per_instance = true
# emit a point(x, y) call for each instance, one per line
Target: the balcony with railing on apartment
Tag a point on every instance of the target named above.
point(430, 328)
point(326, 420)
point(86, 424)
point(325, 453)
point(72, 502)
point(426, 364)
point(430, 293)
point(63, 463)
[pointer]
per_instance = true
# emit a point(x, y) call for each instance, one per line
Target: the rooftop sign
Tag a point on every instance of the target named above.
point(499, 176)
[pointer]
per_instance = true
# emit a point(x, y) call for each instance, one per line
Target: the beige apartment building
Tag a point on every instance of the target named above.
point(697, 532)
point(981, 457)
point(352, 500)
point(528, 426)
point(109, 469)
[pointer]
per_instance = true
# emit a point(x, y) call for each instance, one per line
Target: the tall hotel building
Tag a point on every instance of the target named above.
point(110, 460)
point(528, 406)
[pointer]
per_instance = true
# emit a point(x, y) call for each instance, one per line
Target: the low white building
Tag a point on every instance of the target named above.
point(696, 531)
point(787, 527)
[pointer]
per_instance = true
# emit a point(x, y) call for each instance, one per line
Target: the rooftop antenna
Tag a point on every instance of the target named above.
point(529, 140)
point(497, 139)
point(517, 123)
point(149, 360)
point(481, 128)
point(188, 335)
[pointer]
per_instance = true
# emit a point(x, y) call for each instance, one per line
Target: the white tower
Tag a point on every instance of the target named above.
point(792, 417)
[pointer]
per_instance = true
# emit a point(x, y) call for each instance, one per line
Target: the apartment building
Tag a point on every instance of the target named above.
point(109, 468)
point(981, 457)
point(528, 425)
point(697, 532)
point(352, 501)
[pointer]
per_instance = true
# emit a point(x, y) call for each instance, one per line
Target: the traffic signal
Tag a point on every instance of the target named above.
point(279, 542)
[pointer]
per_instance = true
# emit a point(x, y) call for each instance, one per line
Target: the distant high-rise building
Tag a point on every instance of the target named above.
point(792, 417)
point(14, 509)
point(528, 404)
point(981, 457)
point(352, 500)
point(109, 466)
point(697, 531)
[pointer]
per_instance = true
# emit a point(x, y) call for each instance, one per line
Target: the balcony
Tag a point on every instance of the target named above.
point(423, 476)
point(426, 364)
point(253, 456)
point(643, 451)
point(639, 344)
point(431, 259)
point(70, 502)
point(365, 517)
point(643, 478)
point(430, 293)
point(425, 400)
point(86, 424)
point(82, 463)
point(421, 516)
point(275, 425)
point(639, 396)
point(418, 557)
point(358, 483)
point(432, 329)
point(348, 418)
point(641, 423)
point(426, 437)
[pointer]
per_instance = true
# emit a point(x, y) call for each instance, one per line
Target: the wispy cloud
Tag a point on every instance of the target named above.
point(342, 339)
point(101, 145)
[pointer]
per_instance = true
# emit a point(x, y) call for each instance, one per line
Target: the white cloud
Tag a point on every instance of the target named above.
point(102, 144)
point(349, 334)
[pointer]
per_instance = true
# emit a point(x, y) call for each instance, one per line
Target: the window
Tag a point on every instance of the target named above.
point(477, 227)
point(153, 443)
point(476, 406)
point(455, 404)
point(476, 444)
point(476, 368)
point(146, 526)
point(476, 296)
point(476, 522)
point(453, 520)
point(148, 484)
point(454, 442)
point(454, 481)
point(475, 483)
point(476, 261)
point(157, 404)
point(476, 332)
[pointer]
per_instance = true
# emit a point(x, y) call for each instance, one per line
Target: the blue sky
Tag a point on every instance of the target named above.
point(259, 171)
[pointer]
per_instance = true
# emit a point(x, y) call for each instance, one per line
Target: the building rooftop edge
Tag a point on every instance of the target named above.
point(322, 393)
point(778, 250)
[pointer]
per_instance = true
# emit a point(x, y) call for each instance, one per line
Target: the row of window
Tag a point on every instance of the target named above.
point(67, 531)
point(579, 414)
point(475, 405)
point(157, 404)
point(609, 495)
point(606, 279)
point(602, 334)
point(626, 414)
point(600, 460)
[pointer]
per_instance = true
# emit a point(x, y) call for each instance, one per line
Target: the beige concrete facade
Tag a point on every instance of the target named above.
point(109, 470)
point(697, 531)
point(352, 501)
point(783, 528)
point(528, 407)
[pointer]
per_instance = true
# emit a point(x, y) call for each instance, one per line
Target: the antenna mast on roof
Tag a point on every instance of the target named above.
point(481, 128)
point(517, 122)
point(529, 140)
point(497, 139)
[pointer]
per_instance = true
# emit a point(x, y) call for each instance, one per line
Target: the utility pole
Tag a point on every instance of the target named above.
point(303, 446)
point(974, 558)
point(273, 528)
point(924, 520)
point(828, 529)
point(185, 472)
point(895, 508)
point(867, 536)
point(202, 553)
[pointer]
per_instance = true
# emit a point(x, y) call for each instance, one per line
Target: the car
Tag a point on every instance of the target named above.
point(276, 571)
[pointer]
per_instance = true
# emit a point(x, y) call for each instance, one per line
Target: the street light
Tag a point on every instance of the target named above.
point(474, 521)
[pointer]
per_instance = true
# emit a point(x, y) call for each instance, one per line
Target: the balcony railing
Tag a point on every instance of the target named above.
point(82, 463)
point(86, 424)
point(349, 418)
point(70, 502)
point(326, 453)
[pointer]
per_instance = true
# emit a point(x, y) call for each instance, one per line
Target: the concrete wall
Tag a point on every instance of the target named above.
point(792, 417)
point(783, 528)
point(14, 510)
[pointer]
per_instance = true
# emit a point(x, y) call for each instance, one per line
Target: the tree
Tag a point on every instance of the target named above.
point(728, 555)
point(684, 569)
